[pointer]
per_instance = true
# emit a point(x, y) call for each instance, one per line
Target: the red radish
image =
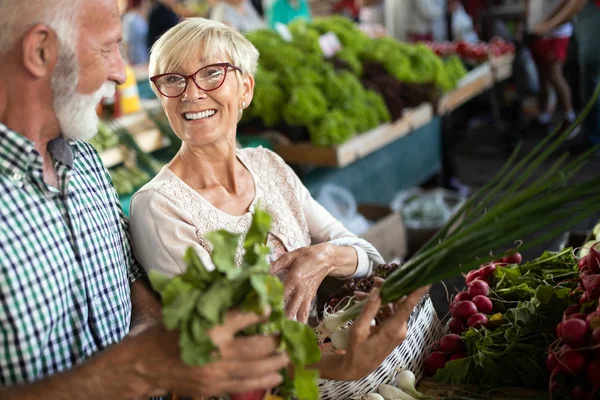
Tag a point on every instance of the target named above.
point(514, 258)
point(253, 395)
point(572, 309)
point(596, 336)
point(574, 332)
point(551, 362)
point(458, 356)
point(581, 393)
point(593, 320)
point(593, 371)
point(593, 259)
point(559, 330)
point(464, 309)
point(462, 296)
point(582, 263)
point(488, 270)
point(578, 315)
point(436, 360)
point(555, 387)
point(457, 325)
point(451, 343)
point(478, 288)
point(477, 320)
point(591, 283)
point(483, 304)
point(472, 275)
point(584, 298)
point(585, 272)
point(571, 362)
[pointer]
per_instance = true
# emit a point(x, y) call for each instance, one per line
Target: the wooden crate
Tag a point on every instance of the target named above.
point(473, 84)
point(502, 67)
point(429, 387)
point(359, 146)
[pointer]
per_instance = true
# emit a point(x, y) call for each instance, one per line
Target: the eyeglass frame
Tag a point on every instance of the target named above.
point(191, 76)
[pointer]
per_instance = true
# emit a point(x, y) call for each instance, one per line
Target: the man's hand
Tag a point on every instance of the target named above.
point(370, 345)
point(305, 269)
point(245, 363)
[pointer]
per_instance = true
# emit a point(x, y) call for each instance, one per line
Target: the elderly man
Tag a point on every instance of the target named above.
point(70, 290)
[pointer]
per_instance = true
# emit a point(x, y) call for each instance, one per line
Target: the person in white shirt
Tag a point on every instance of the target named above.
point(202, 71)
point(548, 21)
point(239, 14)
point(413, 20)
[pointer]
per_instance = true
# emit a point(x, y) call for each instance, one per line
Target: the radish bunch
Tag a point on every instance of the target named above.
point(574, 360)
point(449, 348)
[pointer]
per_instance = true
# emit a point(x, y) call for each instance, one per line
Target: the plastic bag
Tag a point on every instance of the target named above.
point(341, 204)
point(430, 209)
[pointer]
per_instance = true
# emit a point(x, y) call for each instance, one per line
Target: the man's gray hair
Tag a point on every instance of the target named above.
point(17, 16)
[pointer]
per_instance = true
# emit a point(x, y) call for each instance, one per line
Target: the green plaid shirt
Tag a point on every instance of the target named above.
point(65, 260)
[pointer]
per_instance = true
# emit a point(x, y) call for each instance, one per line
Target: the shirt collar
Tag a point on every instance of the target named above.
point(18, 154)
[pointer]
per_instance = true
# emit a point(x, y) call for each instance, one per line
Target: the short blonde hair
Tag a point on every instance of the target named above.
point(213, 40)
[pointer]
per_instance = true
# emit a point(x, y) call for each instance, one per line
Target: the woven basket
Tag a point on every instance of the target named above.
point(424, 328)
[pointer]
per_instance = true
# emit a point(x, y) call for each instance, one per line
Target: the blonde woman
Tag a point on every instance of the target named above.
point(202, 71)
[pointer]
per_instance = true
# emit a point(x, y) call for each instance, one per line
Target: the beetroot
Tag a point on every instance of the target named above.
point(483, 304)
point(574, 332)
point(462, 296)
point(596, 337)
point(478, 288)
point(585, 272)
point(571, 362)
point(514, 258)
point(463, 309)
point(584, 298)
point(555, 387)
point(457, 325)
point(593, 320)
point(591, 283)
point(253, 395)
point(451, 343)
point(434, 361)
point(477, 320)
point(551, 362)
point(458, 356)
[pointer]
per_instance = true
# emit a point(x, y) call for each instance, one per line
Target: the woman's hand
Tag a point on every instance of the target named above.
point(305, 269)
point(370, 345)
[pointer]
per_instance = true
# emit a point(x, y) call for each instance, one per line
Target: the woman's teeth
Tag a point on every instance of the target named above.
point(200, 115)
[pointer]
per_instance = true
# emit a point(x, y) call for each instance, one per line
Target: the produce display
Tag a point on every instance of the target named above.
point(198, 300)
point(472, 52)
point(127, 180)
point(105, 138)
point(306, 96)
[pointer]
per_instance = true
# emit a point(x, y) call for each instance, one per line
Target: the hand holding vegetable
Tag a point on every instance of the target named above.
point(369, 345)
point(245, 363)
point(305, 270)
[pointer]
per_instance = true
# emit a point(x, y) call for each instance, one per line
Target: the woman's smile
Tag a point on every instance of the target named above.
point(199, 116)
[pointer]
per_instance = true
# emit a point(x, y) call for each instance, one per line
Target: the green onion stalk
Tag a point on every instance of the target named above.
point(511, 205)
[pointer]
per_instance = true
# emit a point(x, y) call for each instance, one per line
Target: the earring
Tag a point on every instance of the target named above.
point(243, 104)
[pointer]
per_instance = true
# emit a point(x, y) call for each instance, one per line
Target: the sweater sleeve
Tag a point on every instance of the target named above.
point(161, 233)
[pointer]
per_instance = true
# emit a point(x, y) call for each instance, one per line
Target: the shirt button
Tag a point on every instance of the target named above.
point(17, 177)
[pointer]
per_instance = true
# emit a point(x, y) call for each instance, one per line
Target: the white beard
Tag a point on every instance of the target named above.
point(76, 113)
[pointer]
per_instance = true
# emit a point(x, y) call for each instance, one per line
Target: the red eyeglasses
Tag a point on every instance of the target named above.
point(207, 78)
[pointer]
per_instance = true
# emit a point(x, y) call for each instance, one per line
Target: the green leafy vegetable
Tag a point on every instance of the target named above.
point(197, 300)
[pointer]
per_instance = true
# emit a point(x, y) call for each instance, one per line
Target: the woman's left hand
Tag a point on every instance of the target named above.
point(305, 268)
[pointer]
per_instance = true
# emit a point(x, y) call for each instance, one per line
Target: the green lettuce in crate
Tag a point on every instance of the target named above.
point(198, 299)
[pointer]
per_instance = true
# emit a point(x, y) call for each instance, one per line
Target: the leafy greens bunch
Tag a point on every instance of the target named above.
point(198, 299)
point(512, 348)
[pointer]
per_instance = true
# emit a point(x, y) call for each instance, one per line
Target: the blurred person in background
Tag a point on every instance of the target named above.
point(162, 18)
point(285, 11)
point(549, 29)
point(239, 14)
point(587, 31)
point(135, 31)
point(413, 20)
